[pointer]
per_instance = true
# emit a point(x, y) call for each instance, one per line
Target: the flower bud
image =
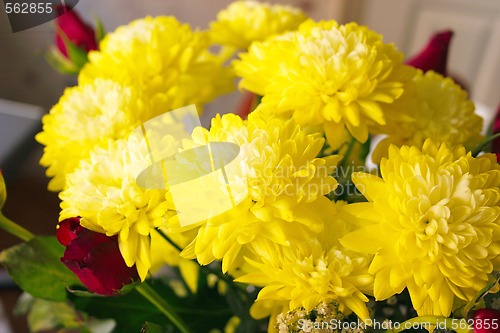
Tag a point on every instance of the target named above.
point(72, 29)
point(94, 257)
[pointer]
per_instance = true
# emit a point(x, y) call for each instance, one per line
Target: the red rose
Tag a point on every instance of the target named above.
point(486, 321)
point(434, 55)
point(94, 257)
point(76, 31)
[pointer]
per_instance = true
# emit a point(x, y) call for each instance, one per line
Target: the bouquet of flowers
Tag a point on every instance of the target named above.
point(270, 219)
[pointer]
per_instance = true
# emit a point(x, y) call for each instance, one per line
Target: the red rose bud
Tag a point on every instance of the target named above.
point(94, 257)
point(495, 146)
point(72, 29)
point(434, 56)
point(486, 321)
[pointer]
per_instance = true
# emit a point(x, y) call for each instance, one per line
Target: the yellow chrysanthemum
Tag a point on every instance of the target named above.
point(317, 270)
point(286, 184)
point(104, 192)
point(161, 56)
point(433, 225)
point(435, 108)
point(87, 116)
point(244, 22)
point(326, 74)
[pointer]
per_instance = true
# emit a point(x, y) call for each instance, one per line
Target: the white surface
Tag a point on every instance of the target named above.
point(4, 324)
point(475, 48)
point(18, 122)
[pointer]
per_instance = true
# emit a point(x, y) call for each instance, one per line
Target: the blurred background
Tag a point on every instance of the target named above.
point(27, 78)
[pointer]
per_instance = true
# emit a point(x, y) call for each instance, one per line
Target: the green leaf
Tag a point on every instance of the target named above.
point(77, 55)
point(3, 191)
point(48, 315)
point(100, 33)
point(35, 267)
point(45, 315)
point(149, 327)
point(60, 63)
point(202, 311)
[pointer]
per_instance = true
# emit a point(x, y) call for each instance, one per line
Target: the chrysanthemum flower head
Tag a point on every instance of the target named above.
point(337, 76)
point(313, 271)
point(87, 116)
point(432, 223)
point(285, 183)
point(434, 107)
point(161, 56)
point(244, 22)
point(104, 192)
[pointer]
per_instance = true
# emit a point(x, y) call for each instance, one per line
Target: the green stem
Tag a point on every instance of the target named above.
point(480, 146)
point(161, 304)
point(220, 275)
point(14, 228)
point(348, 152)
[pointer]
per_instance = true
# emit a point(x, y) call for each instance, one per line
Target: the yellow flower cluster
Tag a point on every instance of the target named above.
point(286, 184)
point(142, 70)
point(104, 192)
point(308, 273)
point(244, 22)
point(334, 76)
point(161, 56)
point(432, 222)
point(85, 117)
point(434, 107)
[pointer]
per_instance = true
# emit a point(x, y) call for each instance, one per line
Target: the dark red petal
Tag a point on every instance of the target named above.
point(87, 277)
point(496, 129)
point(87, 240)
point(246, 105)
point(96, 259)
point(68, 230)
point(110, 268)
point(434, 56)
point(484, 320)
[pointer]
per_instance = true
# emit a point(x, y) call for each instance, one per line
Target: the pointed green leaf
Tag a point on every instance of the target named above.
point(35, 267)
point(60, 63)
point(100, 32)
point(77, 55)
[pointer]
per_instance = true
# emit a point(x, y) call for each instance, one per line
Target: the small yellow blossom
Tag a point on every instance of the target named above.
point(335, 76)
point(311, 272)
point(286, 184)
point(87, 116)
point(244, 22)
point(432, 222)
point(161, 56)
point(104, 192)
point(435, 108)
